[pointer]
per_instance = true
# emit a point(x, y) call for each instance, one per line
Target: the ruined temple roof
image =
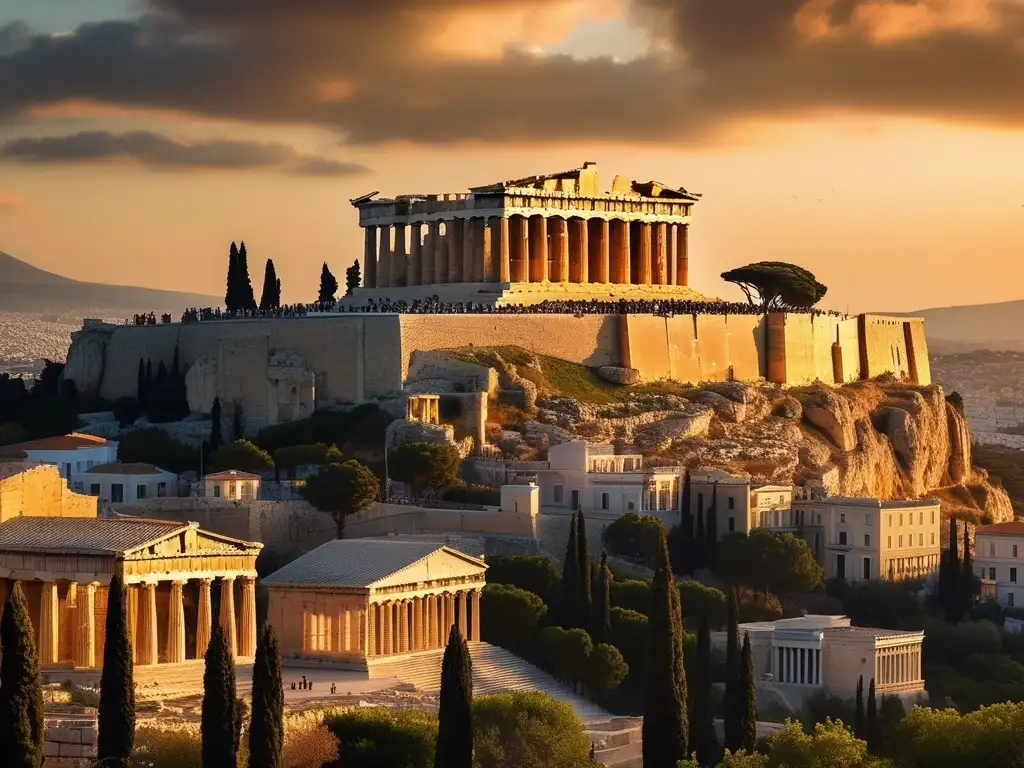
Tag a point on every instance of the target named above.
point(358, 563)
point(585, 182)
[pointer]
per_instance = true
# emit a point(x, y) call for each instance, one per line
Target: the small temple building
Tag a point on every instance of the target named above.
point(354, 601)
point(560, 234)
point(64, 556)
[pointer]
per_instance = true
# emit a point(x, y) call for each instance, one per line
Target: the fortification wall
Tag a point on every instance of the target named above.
point(40, 491)
point(806, 348)
point(883, 347)
point(694, 347)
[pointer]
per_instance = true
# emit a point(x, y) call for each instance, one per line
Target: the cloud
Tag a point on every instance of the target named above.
point(157, 151)
point(11, 202)
point(375, 72)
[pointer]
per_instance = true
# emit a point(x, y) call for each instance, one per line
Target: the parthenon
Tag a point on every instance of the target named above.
point(553, 229)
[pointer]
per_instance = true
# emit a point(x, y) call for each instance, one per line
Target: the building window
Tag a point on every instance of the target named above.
point(216, 491)
point(161, 490)
point(782, 499)
point(732, 524)
point(920, 539)
point(78, 486)
point(605, 500)
point(140, 491)
point(1014, 550)
point(1009, 599)
point(94, 489)
point(992, 549)
point(933, 516)
point(867, 519)
point(116, 493)
point(842, 538)
point(992, 574)
point(890, 521)
point(889, 542)
point(630, 506)
point(920, 518)
point(933, 537)
point(901, 519)
point(867, 539)
point(842, 517)
point(732, 503)
point(557, 491)
point(900, 540)
point(867, 568)
point(1013, 575)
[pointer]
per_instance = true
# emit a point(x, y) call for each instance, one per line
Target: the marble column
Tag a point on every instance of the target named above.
point(468, 250)
point(431, 618)
point(683, 255)
point(673, 249)
point(454, 239)
point(370, 257)
point(227, 613)
point(644, 273)
point(560, 249)
point(579, 251)
point(417, 626)
point(204, 618)
point(131, 592)
point(370, 643)
point(415, 254)
point(176, 625)
point(600, 250)
point(403, 626)
point(85, 626)
point(440, 251)
point(389, 628)
point(484, 256)
point(464, 613)
point(247, 623)
point(451, 619)
point(474, 632)
point(427, 257)
point(345, 633)
point(384, 258)
point(503, 255)
point(538, 249)
point(49, 626)
point(659, 246)
point(519, 232)
point(149, 647)
point(400, 260)
point(620, 252)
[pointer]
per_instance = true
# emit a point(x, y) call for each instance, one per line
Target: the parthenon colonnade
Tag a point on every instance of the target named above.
point(898, 665)
point(407, 625)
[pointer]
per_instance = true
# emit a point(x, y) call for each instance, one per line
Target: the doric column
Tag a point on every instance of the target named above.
point(644, 242)
point(131, 592)
point(176, 625)
point(85, 626)
point(464, 613)
point(484, 255)
point(468, 251)
point(415, 254)
point(455, 237)
point(227, 613)
point(579, 251)
point(683, 255)
point(427, 259)
point(49, 626)
point(504, 257)
point(474, 632)
point(204, 619)
point(560, 249)
point(417, 623)
point(247, 625)
point(403, 626)
point(599, 250)
point(450, 614)
point(538, 250)
point(519, 232)
point(370, 257)
point(148, 650)
point(673, 249)
point(389, 628)
point(440, 245)
point(400, 260)
point(370, 641)
point(660, 255)
point(430, 616)
point(384, 258)
point(620, 255)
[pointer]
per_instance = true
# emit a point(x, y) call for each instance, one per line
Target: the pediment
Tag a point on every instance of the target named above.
point(442, 564)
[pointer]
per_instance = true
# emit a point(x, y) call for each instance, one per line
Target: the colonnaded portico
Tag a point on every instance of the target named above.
point(65, 565)
point(562, 228)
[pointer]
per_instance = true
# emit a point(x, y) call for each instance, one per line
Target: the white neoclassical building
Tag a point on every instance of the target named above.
point(998, 553)
point(72, 454)
point(232, 484)
point(119, 483)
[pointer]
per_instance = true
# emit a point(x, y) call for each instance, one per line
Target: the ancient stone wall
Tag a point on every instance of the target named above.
point(884, 348)
point(40, 491)
point(806, 348)
point(397, 519)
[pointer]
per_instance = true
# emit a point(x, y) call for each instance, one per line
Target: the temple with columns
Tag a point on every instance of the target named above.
point(551, 236)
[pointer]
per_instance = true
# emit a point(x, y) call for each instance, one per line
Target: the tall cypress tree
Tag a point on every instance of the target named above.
point(951, 600)
point(353, 278)
point(271, 296)
point(216, 428)
point(681, 557)
point(266, 729)
point(21, 692)
point(455, 707)
point(871, 718)
point(218, 716)
point(699, 541)
point(231, 303)
point(665, 717)
point(117, 683)
point(328, 286)
point(602, 605)
point(967, 573)
point(571, 579)
point(583, 559)
point(711, 545)
point(703, 738)
point(141, 387)
point(747, 698)
point(733, 737)
point(858, 712)
point(245, 292)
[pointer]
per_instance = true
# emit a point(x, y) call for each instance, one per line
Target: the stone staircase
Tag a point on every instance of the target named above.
point(495, 670)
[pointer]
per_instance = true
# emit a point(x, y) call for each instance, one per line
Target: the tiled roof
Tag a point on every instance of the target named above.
point(355, 562)
point(232, 474)
point(1002, 529)
point(118, 468)
point(68, 442)
point(81, 534)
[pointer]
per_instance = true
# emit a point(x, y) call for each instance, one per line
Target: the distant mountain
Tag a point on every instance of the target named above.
point(976, 326)
point(24, 288)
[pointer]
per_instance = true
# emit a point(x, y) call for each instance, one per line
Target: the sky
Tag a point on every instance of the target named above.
point(878, 143)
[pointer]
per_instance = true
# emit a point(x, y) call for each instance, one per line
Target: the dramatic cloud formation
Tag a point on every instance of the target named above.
point(10, 202)
point(383, 71)
point(157, 151)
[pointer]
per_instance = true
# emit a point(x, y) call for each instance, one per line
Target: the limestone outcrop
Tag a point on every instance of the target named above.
point(87, 355)
point(401, 432)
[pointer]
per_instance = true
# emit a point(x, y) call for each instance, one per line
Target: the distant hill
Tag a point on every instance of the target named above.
point(24, 288)
point(976, 326)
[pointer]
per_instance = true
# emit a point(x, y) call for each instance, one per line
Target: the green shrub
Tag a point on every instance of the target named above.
point(527, 730)
point(629, 635)
point(699, 602)
point(166, 748)
point(634, 536)
point(633, 595)
point(533, 573)
point(376, 737)
point(511, 617)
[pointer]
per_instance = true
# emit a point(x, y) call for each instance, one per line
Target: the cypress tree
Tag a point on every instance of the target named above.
point(858, 712)
point(685, 558)
point(237, 425)
point(271, 296)
point(571, 579)
point(703, 738)
point(149, 378)
point(699, 542)
point(951, 600)
point(747, 698)
point(266, 729)
point(455, 707)
point(117, 683)
point(871, 717)
point(328, 286)
point(218, 716)
point(216, 429)
point(665, 717)
point(231, 294)
point(733, 739)
point(353, 277)
point(21, 692)
point(245, 293)
point(711, 544)
point(583, 559)
point(967, 572)
point(141, 388)
point(602, 605)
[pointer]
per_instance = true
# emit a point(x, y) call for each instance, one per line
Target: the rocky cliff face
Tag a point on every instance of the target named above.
point(888, 440)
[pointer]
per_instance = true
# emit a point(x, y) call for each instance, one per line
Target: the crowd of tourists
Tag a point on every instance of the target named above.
point(148, 319)
point(195, 315)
